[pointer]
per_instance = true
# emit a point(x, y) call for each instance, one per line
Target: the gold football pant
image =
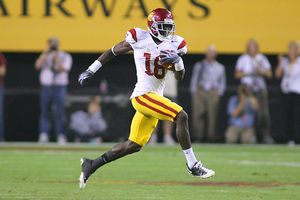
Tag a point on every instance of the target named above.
point(150, 108)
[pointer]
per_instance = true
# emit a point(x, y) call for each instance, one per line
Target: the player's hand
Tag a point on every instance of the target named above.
point(167, 57)
point(85, 76)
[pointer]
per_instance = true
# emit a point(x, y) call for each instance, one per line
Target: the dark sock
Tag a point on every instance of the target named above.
point(99, 162)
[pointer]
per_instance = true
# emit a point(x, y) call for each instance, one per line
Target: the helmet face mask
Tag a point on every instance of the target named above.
point(161, 24)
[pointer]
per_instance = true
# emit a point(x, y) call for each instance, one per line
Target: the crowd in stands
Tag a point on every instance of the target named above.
point(247, 110)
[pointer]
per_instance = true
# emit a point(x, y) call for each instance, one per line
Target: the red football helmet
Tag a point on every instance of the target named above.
point(161, 24)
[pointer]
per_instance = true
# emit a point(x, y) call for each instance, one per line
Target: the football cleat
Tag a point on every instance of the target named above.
point(85, 172)
point(200, 171)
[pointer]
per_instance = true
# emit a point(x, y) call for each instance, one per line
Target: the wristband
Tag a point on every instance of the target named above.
point(179, 66)
point(112, 50)
point(95, 66)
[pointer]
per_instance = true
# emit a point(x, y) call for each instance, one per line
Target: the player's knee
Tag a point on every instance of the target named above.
point(182, 117)
point(133, 147)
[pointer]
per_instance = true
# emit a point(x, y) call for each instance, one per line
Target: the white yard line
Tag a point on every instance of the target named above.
point(265, 163)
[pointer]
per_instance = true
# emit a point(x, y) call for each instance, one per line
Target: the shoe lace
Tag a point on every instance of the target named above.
point(200, 168)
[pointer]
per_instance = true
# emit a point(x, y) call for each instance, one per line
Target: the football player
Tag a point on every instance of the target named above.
point(156, 51)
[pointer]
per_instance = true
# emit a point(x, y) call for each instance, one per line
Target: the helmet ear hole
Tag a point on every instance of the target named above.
point(154, 28)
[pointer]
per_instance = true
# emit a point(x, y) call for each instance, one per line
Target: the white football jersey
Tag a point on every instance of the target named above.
point(150, 74)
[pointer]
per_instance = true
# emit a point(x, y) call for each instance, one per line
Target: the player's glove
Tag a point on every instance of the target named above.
point(85, 76)
point(167, 57)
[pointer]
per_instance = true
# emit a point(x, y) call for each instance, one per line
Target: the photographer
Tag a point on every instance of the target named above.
point(241, 110)
point(89, 125)
point(54, 65)
point(252, 68)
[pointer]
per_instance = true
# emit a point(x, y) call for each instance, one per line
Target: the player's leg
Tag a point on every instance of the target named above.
point(182, 130)
point(140, 132)
point(120, 150)
point(194, 166)
point(162, 108)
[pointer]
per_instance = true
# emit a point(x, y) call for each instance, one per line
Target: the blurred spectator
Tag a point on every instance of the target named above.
point(171, 93)
point(241, 110)
point(289, 69)
point(252, 67)
point(90, 125)
point(3, 64)
point(55, 66)
point(207, 85)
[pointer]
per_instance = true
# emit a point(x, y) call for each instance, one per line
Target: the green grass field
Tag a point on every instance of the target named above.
point(29, 171)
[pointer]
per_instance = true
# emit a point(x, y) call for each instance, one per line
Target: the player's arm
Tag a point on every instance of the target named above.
point(179, 75)
point(179, 66)
point(120, 48)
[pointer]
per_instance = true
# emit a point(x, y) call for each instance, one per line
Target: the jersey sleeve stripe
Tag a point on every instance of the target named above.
point(182, 44)
point(133, 33)
point(152, 108)
point(160, 104)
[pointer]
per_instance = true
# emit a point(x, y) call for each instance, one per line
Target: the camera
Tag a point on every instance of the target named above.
point(53, 44)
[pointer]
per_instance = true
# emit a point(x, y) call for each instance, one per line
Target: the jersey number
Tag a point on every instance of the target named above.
point(159, 70)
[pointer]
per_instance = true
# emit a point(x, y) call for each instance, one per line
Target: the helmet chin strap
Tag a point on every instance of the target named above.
point(161, 38)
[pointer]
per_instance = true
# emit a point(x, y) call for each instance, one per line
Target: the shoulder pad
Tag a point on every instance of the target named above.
point(180, 44)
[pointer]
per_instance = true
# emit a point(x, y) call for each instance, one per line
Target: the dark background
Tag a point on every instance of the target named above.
point(22, 93)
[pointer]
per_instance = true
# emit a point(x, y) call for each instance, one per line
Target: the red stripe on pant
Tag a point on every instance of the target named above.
point(160, 104)
point(152, 108)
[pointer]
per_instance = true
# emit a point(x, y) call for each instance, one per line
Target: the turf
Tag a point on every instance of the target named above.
point(242, 172)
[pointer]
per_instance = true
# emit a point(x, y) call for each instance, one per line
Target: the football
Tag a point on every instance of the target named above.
point(169, 66)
